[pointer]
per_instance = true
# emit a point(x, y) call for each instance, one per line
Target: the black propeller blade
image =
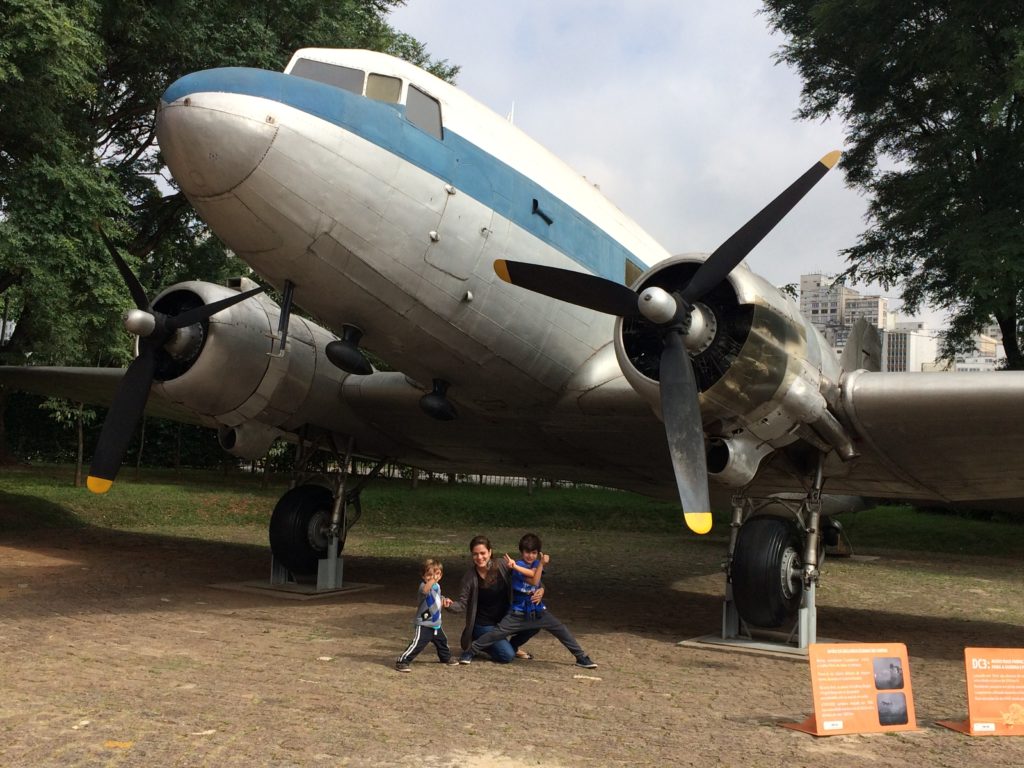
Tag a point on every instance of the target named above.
point(730, 253)
point(577, 288)
point(680, 406)
point(134, 286)
point(680, 412)
point(130, 400)
point(206, 311)
point(122, 419)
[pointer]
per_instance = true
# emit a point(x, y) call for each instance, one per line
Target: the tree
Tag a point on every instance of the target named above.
point(932, 94)
point(79, 83)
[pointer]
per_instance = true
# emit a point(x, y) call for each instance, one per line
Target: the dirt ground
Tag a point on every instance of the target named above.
point(115, 650)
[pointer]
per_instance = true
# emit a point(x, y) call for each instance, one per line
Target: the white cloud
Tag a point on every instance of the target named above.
point(675, 109)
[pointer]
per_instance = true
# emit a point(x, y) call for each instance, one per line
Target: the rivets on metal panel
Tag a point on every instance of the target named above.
point(434, 237)
point(449, 189)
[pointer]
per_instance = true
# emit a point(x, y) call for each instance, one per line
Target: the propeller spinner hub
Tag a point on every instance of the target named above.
point(139, 322)
point(657, 305)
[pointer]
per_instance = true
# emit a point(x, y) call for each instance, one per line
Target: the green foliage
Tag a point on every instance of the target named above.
point(79, 83)
point(45, 430)
point(933, 98)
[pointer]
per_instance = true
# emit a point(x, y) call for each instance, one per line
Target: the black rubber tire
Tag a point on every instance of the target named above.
point(764, 595)
point(290, 536)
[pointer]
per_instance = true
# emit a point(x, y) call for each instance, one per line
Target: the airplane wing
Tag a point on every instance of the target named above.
point(956, 437)
point(960, 436)
point(95, 386)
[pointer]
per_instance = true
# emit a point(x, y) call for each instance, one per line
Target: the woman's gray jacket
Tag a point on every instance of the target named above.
point(469, 593)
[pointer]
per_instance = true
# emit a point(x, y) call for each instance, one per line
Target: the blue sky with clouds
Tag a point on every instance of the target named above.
point(675, 109)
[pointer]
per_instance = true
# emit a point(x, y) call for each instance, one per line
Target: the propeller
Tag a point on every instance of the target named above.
point(682, 321)
point(154, 329)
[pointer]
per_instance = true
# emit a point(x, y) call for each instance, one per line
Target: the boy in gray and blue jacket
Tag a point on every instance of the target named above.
point(428, 619)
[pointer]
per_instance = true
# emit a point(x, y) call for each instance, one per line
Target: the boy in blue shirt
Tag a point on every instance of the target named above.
point(428, 619)
point(526, 575)
point(523, 613)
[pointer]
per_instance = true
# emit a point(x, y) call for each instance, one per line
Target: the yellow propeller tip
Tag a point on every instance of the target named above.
point(698, 522)
point(831, 158)
point(501, 269)
point(98, 484)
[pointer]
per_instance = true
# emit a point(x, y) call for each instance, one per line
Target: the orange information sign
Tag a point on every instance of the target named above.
point(995, 692)
point(859, 688)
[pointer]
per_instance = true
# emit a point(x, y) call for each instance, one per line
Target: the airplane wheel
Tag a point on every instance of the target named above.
point(766, 571)
point(298, 528)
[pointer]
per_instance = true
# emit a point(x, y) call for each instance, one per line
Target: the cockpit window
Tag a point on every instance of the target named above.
point(331, 74)
point(383, 88)
point(423, 111)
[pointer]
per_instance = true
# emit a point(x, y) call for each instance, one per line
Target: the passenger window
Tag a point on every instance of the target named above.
point(383, 88)
point(331, 74)
point(424, 112)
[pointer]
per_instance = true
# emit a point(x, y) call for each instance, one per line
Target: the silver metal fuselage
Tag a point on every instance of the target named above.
point(380, 225)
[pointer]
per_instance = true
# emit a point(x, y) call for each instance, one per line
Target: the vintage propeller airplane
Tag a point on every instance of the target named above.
point(404, 215)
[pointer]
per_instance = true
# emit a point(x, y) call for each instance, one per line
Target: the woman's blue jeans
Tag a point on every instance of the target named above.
point(503, 651)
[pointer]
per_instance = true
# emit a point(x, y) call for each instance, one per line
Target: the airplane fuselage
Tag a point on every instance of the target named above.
point(381, 225)
point(385, 195)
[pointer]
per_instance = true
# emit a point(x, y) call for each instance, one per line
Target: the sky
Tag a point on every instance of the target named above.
point(675, 108)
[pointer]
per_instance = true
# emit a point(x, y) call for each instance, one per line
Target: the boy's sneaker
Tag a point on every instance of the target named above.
point(585, 662)
point(466, 658)
point(401, 666)
point(451, 662)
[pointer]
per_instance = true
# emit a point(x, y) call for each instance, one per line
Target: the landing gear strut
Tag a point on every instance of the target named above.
point(775, 548)
point(311, 521)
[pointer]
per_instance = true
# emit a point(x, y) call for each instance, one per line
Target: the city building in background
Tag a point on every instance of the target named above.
point(833, 308)
point(907, 345)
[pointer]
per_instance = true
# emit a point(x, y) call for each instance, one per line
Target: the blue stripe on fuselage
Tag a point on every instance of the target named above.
point(456, 161)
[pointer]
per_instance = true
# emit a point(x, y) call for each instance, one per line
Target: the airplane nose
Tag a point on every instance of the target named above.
point(212, 141)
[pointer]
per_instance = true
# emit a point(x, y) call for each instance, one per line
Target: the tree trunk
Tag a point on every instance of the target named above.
point(1011, 343)
point(142, 443)
point(6, 457)
point(81, 445)
point(177, 449)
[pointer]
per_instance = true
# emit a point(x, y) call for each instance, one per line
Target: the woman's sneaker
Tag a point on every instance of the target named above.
point(585, 662)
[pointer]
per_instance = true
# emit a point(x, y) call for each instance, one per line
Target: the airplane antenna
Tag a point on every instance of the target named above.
point(511, 116)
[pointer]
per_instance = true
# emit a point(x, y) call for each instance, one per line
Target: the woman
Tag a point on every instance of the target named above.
point(485, 594)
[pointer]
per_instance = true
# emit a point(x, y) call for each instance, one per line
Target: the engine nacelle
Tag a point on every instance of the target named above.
point(249, 440)
point(229, 369)
point(761, 374)
point(733, 462)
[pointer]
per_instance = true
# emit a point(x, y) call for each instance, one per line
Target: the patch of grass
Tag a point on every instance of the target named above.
point(162, 499)
point(902, 527)
point(402, 519)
